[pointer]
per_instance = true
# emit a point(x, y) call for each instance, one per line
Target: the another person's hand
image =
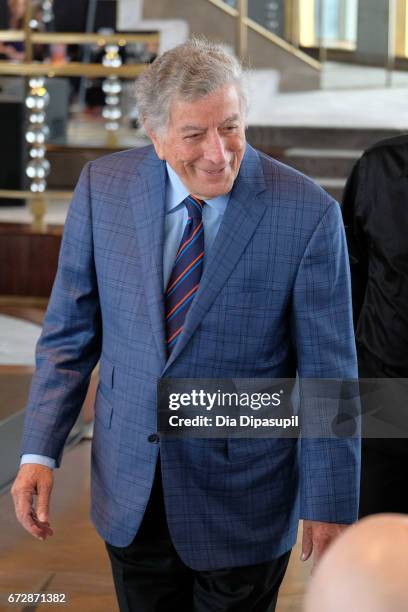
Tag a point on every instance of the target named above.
point(33, 479)
point(317, 537)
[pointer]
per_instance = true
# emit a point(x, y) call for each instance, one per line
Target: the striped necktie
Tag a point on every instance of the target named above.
point(186, 274)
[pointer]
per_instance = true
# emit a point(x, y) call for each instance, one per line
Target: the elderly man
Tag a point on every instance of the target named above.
point(364, 570)
point(195, 257)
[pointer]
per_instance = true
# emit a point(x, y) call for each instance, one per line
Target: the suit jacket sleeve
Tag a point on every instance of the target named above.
point(324, 339)
point(70, 343)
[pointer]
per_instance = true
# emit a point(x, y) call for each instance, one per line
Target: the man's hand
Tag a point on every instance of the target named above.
point(33, 479)
point(317, 537)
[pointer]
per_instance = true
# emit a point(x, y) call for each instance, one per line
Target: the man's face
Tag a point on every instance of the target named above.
point(204, 142)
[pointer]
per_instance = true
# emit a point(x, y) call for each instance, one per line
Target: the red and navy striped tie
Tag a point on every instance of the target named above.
point(187, 270)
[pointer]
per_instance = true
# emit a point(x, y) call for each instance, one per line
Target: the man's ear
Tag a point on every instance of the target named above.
point(157, 143)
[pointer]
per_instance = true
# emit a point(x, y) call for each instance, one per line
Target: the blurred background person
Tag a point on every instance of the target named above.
point(14, 50)
point(376, 219)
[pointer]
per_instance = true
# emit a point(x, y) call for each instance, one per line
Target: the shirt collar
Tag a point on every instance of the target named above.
point(176, 192)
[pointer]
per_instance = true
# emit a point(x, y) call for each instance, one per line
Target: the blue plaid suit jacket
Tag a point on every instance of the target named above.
point(274, 299)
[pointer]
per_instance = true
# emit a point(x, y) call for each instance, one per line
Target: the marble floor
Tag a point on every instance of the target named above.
point(17, 341)
point(56, 213)
point(349, 108)
point(350, 96)
point(337, 75)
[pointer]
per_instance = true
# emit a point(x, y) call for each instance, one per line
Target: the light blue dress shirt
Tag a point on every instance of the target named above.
point(174, 224)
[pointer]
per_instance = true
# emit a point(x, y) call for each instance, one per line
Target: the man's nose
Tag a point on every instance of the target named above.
point(214, 149)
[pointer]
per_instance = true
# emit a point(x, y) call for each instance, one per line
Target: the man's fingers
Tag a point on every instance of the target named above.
point(29, 520)
point(34, 527)
point(23, 502)
point(307, 541)
point(320, 534)
point(43, 525)
point(322, 543)
point(26, 516)
point(33, 480)
point(43, 501)
point(320, 546)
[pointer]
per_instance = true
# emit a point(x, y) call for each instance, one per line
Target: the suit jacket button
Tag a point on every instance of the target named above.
point(153, 438)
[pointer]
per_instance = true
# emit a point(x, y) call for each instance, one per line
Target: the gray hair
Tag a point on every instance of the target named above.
point(189, 71)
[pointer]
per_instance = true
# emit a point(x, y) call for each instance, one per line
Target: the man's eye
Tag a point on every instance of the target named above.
point(230, 128)
point(192, 136)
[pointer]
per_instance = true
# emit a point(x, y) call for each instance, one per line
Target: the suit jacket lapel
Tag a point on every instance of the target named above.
point(147, 199)
point(242, 215)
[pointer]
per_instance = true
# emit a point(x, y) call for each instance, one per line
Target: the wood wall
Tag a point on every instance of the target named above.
point(28, 260)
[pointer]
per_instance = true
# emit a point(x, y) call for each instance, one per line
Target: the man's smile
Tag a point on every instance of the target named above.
point(213, 172)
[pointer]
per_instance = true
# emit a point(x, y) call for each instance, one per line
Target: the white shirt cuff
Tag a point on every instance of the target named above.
point(41, 459)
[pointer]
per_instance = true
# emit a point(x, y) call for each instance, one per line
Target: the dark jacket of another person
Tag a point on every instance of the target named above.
point(375, 212)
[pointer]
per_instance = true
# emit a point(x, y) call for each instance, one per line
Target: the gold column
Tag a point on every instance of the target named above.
point(242, 30)
point(392, 26)
point(112, 87)
point(36, 135)
point(292, 26)
point(306, 17)
point(401, 31)
point(28, 46)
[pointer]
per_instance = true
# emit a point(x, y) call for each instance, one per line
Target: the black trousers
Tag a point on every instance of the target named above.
point(149, 575)
point(384, 461)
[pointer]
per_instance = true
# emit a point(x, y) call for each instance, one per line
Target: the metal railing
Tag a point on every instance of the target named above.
point(244, 25)
point(36, 101)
